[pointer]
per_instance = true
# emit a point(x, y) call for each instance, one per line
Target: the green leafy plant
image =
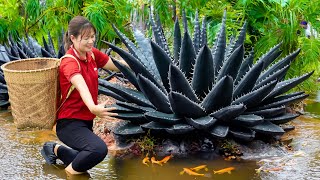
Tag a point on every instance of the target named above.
point(146, 143)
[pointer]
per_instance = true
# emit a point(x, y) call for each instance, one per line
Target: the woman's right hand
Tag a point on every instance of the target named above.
point(103, 112)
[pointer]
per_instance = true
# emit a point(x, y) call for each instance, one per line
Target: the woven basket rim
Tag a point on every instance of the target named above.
point(3, 67)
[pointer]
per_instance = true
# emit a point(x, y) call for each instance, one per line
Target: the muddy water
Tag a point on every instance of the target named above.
point(20, 157)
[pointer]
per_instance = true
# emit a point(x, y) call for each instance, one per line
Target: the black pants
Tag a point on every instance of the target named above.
point(86, 148)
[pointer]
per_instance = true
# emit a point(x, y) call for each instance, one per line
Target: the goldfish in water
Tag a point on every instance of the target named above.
point(190, 172)
point(197, 168)
point(145, 160)
point(275, 169)
point(268, 169)
point(299, 153)
point(166, 159)
point(225, 170)
point(154, 161)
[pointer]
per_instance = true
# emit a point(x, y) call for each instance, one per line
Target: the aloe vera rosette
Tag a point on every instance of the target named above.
point(215, 90)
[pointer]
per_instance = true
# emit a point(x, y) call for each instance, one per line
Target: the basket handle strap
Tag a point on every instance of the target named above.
point(70, 56)
point(72, 87)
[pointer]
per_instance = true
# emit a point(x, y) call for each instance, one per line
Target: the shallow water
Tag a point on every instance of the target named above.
point(20, 157)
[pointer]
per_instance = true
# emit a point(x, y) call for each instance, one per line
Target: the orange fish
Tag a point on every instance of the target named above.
point(225, 170)
point(275, 169)
point(190, 172)
point(198, 168)
point(146, 160)
point(268, 169)
point(154, 161)
point(166, 159)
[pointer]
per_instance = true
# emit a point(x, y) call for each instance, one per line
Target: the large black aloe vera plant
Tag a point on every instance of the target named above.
point(215, 91)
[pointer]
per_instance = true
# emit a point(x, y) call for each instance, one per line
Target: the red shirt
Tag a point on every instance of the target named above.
point(74, 107)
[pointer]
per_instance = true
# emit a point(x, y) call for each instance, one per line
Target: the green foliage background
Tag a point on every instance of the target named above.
point(269, 22)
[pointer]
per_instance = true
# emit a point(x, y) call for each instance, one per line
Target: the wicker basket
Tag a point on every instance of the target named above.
point(32, 87)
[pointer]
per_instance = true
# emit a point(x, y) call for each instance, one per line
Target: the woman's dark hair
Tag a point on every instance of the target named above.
point(78, 25)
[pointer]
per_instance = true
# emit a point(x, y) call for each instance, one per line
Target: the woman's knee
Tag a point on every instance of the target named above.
point(102, 149)
point(99, 150)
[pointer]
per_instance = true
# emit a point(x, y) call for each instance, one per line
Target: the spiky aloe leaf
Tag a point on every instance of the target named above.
point(51, 45)
point(176, 41)
point(204, 122)
point(46, 53)
point(179, 83)
point(184, 20)
point(129, 94)
point(229, 112)
point(219, 96)
point(129, 44)
point(219, 131)
point(283, 118)
point(245, 66)
point(145, 48)
point(3, 86)
point(286, 85)
point(279, 65)
point(248, 81)
point(21, 53)
point(163, 117)
point(196, 33)
point(127, 73)
point(28, 51)
point(107, 92)
point(203, 76)
point(14, 51)
point(2, 80)
point(203, 33)
point(284, 102)
point(187, 56)
point(134, 107)
point(268, 128)
point(7, 49)
point(61, 51)
point(33, 43)
point(219, 48)
point(255, 97)
point(232, 64)
point(30, 46)
point(180, 129)
point(267, 113)
point(128, 129)
point(4, 94)
point(155, 127)
point(4, 103)
point(273, 57)
point(239, 41)
point(275, 76)
point(280, 98)
point(163, 62)
point(242, 133)
point(119, 109)
point(12, 58)
point(158, 33)
point(247, 120)
point(135, 118)
point(135, 65)
point(154, 94)
point(183, 106)
point(270, 56)
point(45, 44)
